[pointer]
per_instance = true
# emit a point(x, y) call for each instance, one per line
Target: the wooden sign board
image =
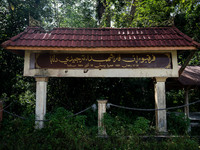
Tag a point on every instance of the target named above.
point(102, 61)
point(128, 65)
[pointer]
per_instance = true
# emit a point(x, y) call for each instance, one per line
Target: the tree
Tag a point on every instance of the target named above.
point(14, 17)
point(69, 13)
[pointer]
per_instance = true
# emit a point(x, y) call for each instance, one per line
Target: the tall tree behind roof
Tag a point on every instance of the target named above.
point(15, 14)
point(70, 13)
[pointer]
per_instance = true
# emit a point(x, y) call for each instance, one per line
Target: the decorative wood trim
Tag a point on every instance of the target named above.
point(100, 49)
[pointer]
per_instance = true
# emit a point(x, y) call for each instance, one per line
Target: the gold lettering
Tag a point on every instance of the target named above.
point(151, 59)
point(112, 60)
point(72, 66)
point(80, 65)
point(87, 65)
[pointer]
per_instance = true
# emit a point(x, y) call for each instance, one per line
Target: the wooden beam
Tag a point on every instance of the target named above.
point(99, 49)
point(186, 62)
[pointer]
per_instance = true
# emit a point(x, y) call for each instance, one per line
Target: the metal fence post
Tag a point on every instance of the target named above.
point(101, 111)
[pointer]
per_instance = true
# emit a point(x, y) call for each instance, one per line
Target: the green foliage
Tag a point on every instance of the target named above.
point(63, 132)
point(141, 125)
point(60, 132)
point(178, 124)
point(152, 13)
point(175, 98)
point(123, 126)
point(74, 133)
point(62, 92)
point(14, 15)
point(69, 13)
point(187, 20)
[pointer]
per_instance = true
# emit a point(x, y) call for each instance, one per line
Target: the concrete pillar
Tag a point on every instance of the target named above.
point(186, 108)
point(41, 92)
point(160, 102)
point(101, 111)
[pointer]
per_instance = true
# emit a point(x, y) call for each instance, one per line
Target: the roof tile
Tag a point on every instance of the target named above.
point(102, 37)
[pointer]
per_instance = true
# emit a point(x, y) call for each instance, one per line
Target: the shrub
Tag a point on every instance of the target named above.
point(117, 126)
point(178, 123)
point(64, 132)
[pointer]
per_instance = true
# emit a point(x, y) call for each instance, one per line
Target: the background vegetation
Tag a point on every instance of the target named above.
point(62, 92)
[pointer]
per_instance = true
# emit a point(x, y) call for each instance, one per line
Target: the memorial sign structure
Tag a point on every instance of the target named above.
point(101, 52)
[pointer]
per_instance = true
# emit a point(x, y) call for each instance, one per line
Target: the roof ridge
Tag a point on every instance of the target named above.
point(35, 29)
point(101, 28)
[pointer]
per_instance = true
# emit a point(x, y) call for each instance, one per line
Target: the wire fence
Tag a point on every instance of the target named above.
point(141, 109)
point(15, 115)
point(94, 107)
point(5, 107)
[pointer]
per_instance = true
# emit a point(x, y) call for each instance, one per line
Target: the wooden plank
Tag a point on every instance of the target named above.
point(100, 49)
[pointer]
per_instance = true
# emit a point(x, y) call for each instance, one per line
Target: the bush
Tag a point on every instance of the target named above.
point(178, 124)
point(120, 126)
point(64, 132)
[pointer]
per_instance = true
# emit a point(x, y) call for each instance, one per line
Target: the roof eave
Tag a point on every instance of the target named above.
point(98, 49)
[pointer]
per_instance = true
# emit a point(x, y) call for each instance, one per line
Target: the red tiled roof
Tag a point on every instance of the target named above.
point(190, 76)
point(101, 37)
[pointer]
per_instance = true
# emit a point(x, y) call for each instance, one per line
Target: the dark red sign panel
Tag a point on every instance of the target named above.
point(103, 61)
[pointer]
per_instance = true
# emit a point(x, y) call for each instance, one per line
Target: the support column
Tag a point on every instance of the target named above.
point(160, 102)
point(101, 111)
point(186, 108)
point(41, 92)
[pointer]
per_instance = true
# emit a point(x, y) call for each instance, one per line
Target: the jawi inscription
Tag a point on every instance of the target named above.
point(102, 61)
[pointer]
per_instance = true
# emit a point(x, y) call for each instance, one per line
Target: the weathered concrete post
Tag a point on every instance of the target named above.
point(160, 102)
point(186, 108)
point(41, 92)
point(101, 111)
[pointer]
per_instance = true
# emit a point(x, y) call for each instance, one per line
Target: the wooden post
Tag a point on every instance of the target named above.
point(160, 102)
point(40, 110)
point(186, 108)
point(1, 112)
point(101, 111)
